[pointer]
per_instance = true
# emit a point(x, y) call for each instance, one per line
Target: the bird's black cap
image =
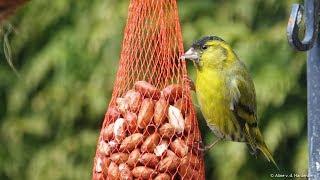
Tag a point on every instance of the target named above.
point(205, 39)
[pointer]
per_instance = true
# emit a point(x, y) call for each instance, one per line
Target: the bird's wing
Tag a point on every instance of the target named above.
point(243, 97)
point(243, 103)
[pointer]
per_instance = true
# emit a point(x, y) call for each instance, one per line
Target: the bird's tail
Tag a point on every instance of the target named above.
point(256, 141)
point(266, 152)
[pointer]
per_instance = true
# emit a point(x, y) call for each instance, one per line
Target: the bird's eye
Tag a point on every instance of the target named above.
point(204, 47)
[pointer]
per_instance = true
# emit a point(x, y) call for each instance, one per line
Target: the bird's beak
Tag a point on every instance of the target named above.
point(192, 55)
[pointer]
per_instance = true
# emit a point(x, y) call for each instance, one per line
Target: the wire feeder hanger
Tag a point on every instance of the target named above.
point(310, 43)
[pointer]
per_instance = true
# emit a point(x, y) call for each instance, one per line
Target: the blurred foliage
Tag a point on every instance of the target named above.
point(67, 52)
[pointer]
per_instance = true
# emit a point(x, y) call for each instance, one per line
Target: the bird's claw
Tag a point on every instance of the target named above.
point(208, 147)
point(198, 146)
point(189, 82)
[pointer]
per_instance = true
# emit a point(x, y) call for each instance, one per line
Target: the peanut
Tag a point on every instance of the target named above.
point(146, 113)
point(119, 129)
point(167, 130)
point(104, 148)
point(134, 100)
point(107, 133)
point(172, 92)
point(149, 159)
point(179, 147)
point(131, 119)
point(161, 148)
point(112, 114)
point(133, 157)
point(105, 166)
point(98, 167)
point(113, 144)
point(125, 173)
point(143, 172)
point(147, 90)
point(189, 123)
point(163, 176)
point(169, 163)
point(170, 153)
point(191, 160)
point(160, 111)
point(113, 171)
point(150, 143)
point(119, 158)
point(122, 105)
point(176, 119)
point(130, 142)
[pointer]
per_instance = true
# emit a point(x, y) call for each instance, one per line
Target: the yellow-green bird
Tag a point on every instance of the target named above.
point(226, 94)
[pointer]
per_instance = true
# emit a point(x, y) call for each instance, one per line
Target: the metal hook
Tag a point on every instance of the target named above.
point(311, 18)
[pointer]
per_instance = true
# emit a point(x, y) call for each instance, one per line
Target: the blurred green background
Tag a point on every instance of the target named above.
point(67, 52)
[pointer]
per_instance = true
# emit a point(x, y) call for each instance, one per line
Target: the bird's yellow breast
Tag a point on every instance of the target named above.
point(214, 100)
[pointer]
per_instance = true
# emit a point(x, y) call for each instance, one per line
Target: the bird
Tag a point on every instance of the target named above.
point(226, 94)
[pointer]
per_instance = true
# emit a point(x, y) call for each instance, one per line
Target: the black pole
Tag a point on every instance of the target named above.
point(313, 76)
point(310, 43)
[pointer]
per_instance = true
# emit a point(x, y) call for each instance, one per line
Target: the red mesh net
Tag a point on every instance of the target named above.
point(8, 7)
point(150, 130)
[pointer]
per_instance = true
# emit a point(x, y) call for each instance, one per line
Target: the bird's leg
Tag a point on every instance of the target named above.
point(208, 147)
point(188, 81)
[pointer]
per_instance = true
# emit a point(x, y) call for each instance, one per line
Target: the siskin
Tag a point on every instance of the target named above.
point(226, 94)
